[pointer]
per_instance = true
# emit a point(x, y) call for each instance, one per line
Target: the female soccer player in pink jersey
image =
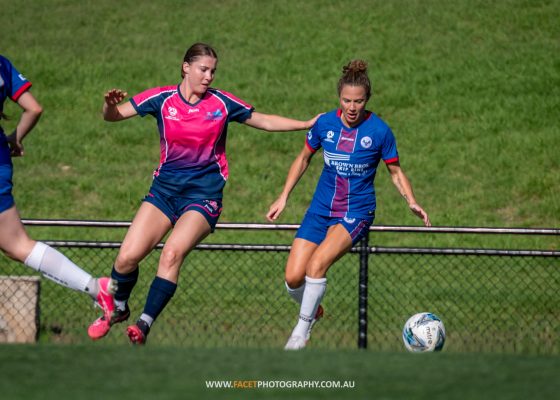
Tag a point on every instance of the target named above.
point(186, 193)
point(354, 140)
point(14, 240)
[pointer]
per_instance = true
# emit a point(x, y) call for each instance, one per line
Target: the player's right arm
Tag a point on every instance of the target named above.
point(298, 168)
point(112, 110)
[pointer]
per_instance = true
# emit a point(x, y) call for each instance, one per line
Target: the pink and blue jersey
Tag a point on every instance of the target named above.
point(193, 160)
point(351, 157)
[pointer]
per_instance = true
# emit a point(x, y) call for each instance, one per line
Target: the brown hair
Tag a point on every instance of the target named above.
point(355, 74)
point(198, 50)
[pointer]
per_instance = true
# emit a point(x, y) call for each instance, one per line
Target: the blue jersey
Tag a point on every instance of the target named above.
point(351, 157)
point(12, 86)
point(193, 160)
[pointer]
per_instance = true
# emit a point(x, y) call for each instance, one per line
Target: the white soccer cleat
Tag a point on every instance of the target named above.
point(295, 343)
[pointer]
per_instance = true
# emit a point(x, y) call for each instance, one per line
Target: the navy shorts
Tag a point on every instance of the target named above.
point(174, 207)
point(6, 173)
point(314, 227)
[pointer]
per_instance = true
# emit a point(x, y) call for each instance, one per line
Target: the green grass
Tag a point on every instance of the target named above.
point(471, 89)
point(110, 372)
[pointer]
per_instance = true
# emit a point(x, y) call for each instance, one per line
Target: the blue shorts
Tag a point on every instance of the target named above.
point(6, 173)
point(314, 227)
point(174, 207)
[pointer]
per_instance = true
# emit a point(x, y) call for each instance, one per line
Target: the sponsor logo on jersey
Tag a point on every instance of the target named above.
point(193, 110)
point(334, 157)
point(214, 116)
point(309, 135)
point(366, 142)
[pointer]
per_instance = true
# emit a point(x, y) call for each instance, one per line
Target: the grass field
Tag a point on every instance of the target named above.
point(117, 372)
point(470, 88)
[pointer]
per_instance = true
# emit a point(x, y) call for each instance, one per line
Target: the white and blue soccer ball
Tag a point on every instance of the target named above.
point(423, 332)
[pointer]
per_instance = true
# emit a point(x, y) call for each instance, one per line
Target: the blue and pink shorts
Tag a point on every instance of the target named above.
point(314, 227)
point(174, 207)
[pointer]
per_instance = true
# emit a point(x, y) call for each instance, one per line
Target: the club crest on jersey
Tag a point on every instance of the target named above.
point(330, 135)
point(366, 142)
point(172, 114)
point(214, 116)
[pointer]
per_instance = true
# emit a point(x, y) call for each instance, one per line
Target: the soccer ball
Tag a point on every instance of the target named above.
point(423, 332)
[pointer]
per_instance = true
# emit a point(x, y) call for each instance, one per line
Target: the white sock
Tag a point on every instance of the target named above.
point(147, 319)
point(297, 293)
point(314, 291)
point(57, 267)
point(120, 304)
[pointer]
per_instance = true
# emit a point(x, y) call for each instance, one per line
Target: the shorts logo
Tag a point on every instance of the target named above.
point(211, 205)
point(330, 135)
point(349, 220)
point(366, 142)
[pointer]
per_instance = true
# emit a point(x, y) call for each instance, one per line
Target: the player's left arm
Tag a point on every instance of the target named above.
point(32, 110)
point(404, 187)
point(270, 122)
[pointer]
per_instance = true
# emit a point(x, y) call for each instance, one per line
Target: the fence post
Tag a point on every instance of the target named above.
point(363, 293)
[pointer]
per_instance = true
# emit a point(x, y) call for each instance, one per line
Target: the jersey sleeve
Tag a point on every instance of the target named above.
point(389, 152)
point(15, 82)
point(146, 102)
point(237, 109)
point(313, 140)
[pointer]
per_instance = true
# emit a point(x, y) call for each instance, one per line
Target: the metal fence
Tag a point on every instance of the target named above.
point(491, 300)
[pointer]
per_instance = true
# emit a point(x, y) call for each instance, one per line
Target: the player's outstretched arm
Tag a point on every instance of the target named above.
point(405, 189)
point(271, 123)
point(113, 110)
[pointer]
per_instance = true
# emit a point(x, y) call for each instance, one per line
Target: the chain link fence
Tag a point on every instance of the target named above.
point(233, 295)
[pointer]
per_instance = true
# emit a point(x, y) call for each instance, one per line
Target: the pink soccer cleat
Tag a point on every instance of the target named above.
point(100, 327)
point(138, 333)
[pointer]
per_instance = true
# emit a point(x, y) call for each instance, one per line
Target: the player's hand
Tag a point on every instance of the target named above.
point(276, 209)
point(419, 211)
point(16, 146)
point(115, 96)
point(312, 121)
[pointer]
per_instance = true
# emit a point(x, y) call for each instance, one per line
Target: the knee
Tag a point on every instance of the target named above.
point(127, 261)
point(293, 279)
point(316, 269)
point(171, 258)
point(19, 249)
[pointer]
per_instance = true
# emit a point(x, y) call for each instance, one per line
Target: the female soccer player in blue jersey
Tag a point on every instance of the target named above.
point(354, 140)
point(14, 241)
point(186, 193)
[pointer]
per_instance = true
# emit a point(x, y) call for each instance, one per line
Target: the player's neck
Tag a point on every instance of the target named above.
point(188, 94)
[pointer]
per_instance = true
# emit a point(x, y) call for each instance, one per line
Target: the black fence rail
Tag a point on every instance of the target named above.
point(491, 300)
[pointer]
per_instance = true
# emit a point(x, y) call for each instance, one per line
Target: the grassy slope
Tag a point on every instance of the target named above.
point(471, 90)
